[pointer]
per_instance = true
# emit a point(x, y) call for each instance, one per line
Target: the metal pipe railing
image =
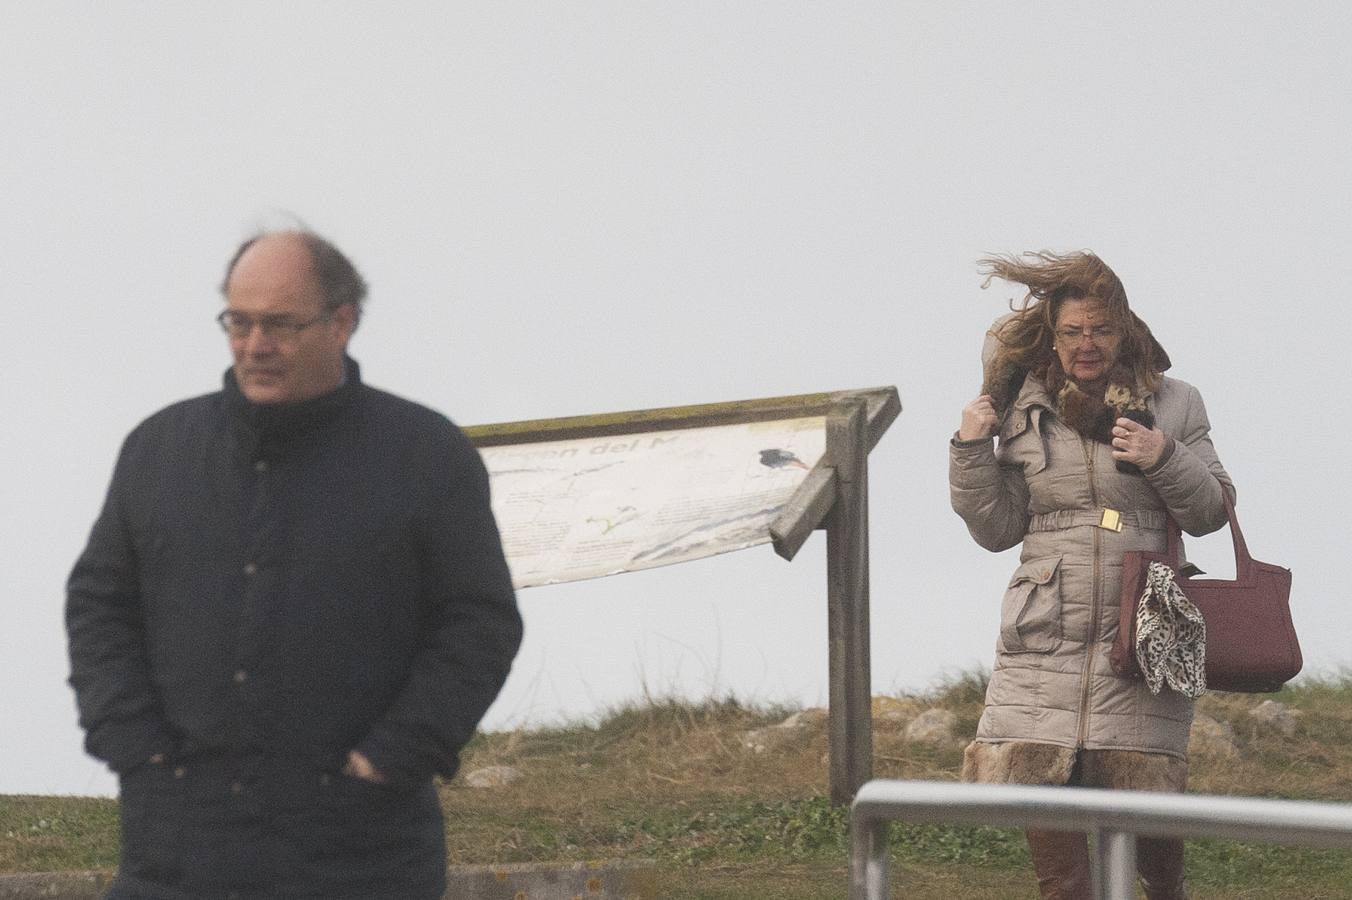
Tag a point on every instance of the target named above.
point(1115, 817)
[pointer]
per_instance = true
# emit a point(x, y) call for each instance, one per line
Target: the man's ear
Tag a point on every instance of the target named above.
point(345, 317)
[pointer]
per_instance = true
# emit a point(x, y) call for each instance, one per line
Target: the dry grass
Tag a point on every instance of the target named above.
point(1315, 763)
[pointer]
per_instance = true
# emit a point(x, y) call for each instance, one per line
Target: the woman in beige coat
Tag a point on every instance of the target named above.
point(1096, 449)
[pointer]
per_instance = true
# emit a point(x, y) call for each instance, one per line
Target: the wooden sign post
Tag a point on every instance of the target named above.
point(835, 497)
point(847, 603)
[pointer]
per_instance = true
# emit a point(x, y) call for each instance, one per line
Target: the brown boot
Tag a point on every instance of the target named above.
point(1061, 860)
point(1160, 862)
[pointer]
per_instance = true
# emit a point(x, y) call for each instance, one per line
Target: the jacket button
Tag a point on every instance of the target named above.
point(237, 788)
point(250, 569)
point(325, 779)
point(180, 772)
point(241, 676)
point(261, 465)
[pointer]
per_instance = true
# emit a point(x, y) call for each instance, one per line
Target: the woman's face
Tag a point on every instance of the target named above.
point(1086, 340)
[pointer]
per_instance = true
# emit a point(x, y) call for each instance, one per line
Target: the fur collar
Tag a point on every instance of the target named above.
point(1093, 415)
point(1089, 415)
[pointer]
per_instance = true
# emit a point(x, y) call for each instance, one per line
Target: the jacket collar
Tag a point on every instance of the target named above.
point(1035, 393)
point(257, 422)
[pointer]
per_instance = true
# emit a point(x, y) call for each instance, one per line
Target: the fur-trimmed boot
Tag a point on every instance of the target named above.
point(1061, 860)
point(1160, 863)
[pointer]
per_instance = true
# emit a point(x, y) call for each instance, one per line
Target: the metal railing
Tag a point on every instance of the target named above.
point(1114, 817)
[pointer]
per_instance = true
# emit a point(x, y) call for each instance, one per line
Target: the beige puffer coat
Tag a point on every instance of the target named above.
point(1047, 487)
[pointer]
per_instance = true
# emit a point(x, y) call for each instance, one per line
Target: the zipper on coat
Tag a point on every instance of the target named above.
point(1086, 677)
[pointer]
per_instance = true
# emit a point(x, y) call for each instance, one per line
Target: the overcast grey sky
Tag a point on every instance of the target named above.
point(567, 208)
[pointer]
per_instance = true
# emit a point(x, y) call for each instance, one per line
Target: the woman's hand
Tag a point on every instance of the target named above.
point(1136, 444)
point(979, 420)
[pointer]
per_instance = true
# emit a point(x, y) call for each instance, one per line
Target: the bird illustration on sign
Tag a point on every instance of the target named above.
point(776, 458)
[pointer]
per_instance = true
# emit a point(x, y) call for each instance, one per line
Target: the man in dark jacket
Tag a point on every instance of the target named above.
point(291, 614)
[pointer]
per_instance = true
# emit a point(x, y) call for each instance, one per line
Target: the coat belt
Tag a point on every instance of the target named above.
point(1145, 519)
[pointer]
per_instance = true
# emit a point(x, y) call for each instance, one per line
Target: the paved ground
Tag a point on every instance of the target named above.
point(533, 881)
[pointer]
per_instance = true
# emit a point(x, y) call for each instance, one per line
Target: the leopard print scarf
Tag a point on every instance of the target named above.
point(1170, 635)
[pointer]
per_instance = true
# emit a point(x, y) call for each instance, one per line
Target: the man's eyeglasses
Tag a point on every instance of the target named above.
point(239, 325)
point(1099, 334)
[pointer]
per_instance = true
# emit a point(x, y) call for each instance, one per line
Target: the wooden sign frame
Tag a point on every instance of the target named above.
point(833, 496)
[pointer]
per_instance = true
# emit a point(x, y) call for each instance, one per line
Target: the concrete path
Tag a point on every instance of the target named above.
point(616, 880)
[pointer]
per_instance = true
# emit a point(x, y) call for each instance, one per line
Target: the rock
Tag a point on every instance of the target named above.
point(771, 737)
point(759, 740)
point(805, 718)
point(492, 777)
point(933, 726)
point(1276, 716)
point(895, 710)
point(1213, 738)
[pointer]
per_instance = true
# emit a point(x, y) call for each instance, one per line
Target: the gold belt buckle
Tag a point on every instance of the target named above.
point(1111, 520)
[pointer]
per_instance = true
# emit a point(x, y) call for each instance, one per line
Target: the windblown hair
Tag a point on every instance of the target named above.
point(1024, 340)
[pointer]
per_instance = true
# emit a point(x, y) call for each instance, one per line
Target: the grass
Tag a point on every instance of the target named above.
point(682, 785)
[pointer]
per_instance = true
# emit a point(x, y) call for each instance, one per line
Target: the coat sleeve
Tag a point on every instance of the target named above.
point(119, 707)
point(471, 630)
point(991, 498)
point(1190, 479)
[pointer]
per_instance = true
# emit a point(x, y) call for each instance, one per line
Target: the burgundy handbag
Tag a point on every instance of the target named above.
point(1251, 644)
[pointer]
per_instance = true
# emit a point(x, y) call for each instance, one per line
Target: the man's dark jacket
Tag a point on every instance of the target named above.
point(266, 589)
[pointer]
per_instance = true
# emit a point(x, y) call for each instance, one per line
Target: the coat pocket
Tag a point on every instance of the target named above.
point(357, 831)
point(152, 805)
point(1030, 614)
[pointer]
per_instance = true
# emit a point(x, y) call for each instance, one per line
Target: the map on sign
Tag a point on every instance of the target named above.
point(588, 507)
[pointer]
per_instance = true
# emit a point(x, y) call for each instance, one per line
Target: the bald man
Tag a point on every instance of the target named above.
point(292, 612)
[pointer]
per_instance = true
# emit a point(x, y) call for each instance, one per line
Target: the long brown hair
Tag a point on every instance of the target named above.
point(1024, 340)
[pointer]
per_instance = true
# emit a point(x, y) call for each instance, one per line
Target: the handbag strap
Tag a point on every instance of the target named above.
point(1243, 561)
